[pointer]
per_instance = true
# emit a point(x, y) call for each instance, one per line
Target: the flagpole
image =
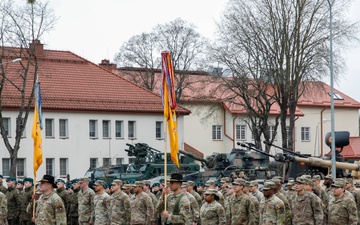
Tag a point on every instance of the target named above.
point(165, 160)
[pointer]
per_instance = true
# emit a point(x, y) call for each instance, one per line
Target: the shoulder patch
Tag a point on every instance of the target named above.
point(187, 208)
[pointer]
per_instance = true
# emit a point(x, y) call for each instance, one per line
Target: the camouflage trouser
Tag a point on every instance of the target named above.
point(73, 221)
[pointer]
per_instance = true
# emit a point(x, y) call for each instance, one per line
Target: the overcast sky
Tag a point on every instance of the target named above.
point(96, 29)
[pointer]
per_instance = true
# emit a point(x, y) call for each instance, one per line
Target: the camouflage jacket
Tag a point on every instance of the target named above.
point(307, 209)
point(13, 202)
point(142, 209)
point(272, 211)
point(102, 209)
point(73, 205)
point(240, 210)
point(184, 208)
point(255, 202)
point(120, 213)
point(25, 199)
point(342, 211)
point(3, 209)
point(194, 209)
point(3, 189)
point(63, 195)
point(212, 214)
point(356, 193)
point(258, 195)
point(86, 205)
point(50, 210)
point(197, 197)
point(287, 207)
point(154, 201)
point(322, 195)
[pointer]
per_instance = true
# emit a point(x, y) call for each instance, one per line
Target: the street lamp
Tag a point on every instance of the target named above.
point(333, 156)
point(12, 61)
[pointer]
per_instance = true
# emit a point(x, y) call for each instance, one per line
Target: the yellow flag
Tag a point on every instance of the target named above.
point(36, 130)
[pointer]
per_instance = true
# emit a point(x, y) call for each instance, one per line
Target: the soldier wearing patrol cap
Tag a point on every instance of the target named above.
point(101, 204)
point(190, 189)
point(86, 202)
point(120, 213)
point(254, 189)
point(253, 199)
point(271, 208)
point(194, 206)
point(240, 205)
point(319, 190)
point(283, 198)
point(13, 201)
point(142, 209)
point(177, 204)
point(212, 212)
point(342, 209)
point(306, 206)
point(328, 180)
point(146, 189)
point(355, 192)
point(224, 182)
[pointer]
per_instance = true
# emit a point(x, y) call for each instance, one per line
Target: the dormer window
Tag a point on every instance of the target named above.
point(337, 96)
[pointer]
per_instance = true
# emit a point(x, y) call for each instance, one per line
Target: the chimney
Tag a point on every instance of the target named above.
point(36, 48)
point(105, 63)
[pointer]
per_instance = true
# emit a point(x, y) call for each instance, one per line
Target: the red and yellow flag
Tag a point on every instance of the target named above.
point(36, 129)
point(169, 102)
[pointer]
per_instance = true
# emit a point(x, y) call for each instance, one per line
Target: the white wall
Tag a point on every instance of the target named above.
point(79, 148)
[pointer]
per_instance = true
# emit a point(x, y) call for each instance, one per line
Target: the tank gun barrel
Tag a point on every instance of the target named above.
point(286, 150)
point(193, 156)
point(245, 145)
point(313, 161)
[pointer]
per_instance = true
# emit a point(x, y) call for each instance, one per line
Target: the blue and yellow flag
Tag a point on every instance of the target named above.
point(36, 128)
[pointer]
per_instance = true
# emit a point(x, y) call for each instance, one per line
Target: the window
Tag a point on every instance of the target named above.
point(20, 167)
point(305, 133)
point(93, 163)
point(7, 126)
point(106, 161)
point(159, 130)
point(93, 128)
point(119, 161)
point(6, 167)
point(63, 167)
point(119, 129)
point(63, 128)
point(49, 128)
point(50, 166)
point(337, 96)
point(132, 129)
point(106, 128)
point(132, 160)
point(240, 131)
point(272, 132)
point(216, 132)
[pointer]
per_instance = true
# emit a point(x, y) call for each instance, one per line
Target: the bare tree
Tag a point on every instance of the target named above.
point(19, 27)
point(179, 37)
point(288, 41)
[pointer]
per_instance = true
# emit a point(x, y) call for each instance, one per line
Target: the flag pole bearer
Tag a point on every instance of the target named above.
point(169, 103)
point(36, 132)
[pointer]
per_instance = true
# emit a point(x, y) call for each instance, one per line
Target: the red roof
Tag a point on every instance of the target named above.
point(188, 148)
point(352, 151)
point(70, 82)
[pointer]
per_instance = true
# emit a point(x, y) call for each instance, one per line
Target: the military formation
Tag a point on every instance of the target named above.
point(232, 201)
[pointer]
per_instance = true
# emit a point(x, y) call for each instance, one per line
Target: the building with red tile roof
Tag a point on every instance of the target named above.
point(89, 114)
point(217, 120)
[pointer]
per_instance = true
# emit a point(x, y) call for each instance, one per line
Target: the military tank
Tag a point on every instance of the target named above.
point(244, 161)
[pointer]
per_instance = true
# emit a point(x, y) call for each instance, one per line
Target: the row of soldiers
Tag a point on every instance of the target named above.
point(236, 201)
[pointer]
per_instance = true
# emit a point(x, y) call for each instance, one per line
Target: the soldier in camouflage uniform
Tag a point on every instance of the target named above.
point(25, 199)
point(306, 206)
point(355, 192)
point(154, 199)
point(61, 191)
point(73, 205)
point(283, 198)
point(120, 213)
point(342, 209)
point(254, 201)
point(190, 189)
point(194, 206)
point(3, 209)
point(177, 204)
point(254, 189)
point(328, 180)
point(271, 208)
point(50, 209)
point(241, 210)
point(212, 212)
point(101, 204)
point(161, 186)
point(12, 196)
point(224, 182)
point(2, 187)
point(200, 189)
point(126, 189)
point(86, 202)
point(142, 209)
point(319, 190)
point(20, 185)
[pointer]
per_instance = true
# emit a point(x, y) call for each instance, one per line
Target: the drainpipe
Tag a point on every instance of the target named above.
point(293, 133)
point(321, 131)
point(225, 134)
